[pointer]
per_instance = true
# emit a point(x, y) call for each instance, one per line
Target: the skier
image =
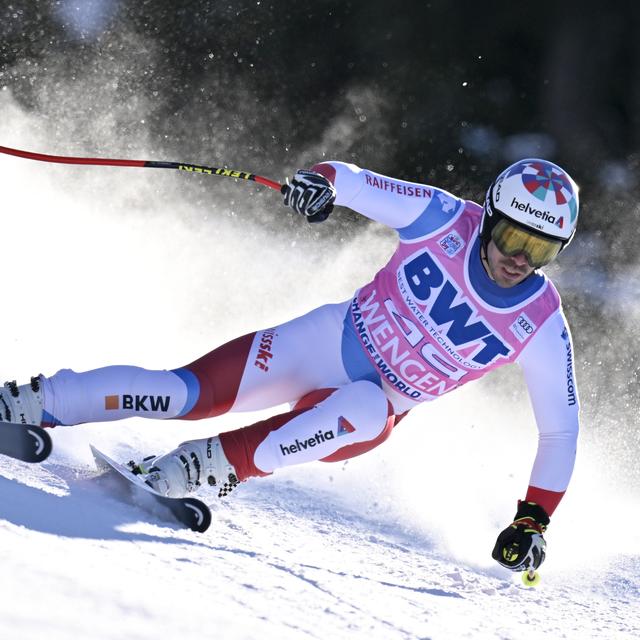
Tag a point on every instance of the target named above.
point(462, 295)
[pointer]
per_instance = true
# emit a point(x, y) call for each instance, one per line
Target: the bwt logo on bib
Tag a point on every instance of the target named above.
point(426, 280)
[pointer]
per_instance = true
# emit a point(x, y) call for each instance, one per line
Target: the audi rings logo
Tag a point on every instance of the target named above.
point(525, 324)
point(523, 327)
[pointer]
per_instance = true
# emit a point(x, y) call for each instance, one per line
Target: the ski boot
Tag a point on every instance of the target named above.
point(185, 469)
point(21, 404)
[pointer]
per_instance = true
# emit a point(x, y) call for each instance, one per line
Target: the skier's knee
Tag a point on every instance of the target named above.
point(371, 399)
point(363, 405)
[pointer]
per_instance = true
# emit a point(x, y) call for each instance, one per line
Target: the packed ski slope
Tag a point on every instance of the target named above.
point(111, 266)
point(298, 556)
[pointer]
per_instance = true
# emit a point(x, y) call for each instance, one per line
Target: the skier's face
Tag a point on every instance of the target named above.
point(507, 271)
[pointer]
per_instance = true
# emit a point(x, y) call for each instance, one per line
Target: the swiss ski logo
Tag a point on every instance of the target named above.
point(344, 426)
point(265, 350)
point(451, 243)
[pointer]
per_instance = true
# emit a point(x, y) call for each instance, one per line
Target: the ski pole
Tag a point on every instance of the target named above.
point(530, 578)
point(154, 164)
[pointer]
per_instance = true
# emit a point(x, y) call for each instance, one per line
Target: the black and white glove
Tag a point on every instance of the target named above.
point(311, 195)
point(521, 546)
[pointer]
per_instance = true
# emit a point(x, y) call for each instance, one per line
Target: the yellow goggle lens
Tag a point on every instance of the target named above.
point(512, 240)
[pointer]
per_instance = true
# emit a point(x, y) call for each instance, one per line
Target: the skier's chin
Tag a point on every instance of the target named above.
point(506, 277)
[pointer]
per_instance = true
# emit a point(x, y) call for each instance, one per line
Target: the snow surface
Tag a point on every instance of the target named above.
point(111, 266)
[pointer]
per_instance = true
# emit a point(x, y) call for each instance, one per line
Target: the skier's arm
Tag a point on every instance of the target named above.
point(547, 362)
point(396, 203)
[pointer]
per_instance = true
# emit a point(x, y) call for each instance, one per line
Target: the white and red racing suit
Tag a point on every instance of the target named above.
point(430, 321)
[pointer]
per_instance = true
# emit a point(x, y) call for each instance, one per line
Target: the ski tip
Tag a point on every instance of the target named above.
point(43, 443)
point(102, 461)
point(199, 514)
point(29, 443)
point(96, 453)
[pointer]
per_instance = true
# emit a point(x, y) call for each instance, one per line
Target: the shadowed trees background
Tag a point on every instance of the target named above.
point(446, 83)
point(438, 92)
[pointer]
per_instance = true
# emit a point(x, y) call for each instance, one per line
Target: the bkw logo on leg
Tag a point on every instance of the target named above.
point(137, 403)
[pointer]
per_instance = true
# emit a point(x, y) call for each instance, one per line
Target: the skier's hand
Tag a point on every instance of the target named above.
point(311, 195)
point(521, 545)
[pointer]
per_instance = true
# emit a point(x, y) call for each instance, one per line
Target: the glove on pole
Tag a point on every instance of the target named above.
point(181, 166)
point(310, 194)
point(521, 547)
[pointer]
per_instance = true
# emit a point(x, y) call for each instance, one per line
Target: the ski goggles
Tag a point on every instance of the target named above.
point(512, 240)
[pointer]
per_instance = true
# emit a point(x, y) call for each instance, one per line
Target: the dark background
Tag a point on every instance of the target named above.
point(441, 92)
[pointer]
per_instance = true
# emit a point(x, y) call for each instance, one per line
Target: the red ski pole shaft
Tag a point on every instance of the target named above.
point(181, 166)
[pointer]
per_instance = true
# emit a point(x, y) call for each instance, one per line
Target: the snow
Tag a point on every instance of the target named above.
point(280, 561)
point(114, 266)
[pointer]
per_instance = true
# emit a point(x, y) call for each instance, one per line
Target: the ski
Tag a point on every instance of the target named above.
point(24, 442)
point(189, 512)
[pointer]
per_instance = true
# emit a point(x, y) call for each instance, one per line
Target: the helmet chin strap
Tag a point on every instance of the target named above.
point(485, 259)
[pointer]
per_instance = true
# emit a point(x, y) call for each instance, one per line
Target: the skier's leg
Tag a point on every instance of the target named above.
point(281, 365)
point(122, 391)
point(252, 372)
point(348, 422)
point(328, 425)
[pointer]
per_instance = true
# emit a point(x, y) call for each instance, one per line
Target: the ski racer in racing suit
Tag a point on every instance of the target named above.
point(461, 296)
